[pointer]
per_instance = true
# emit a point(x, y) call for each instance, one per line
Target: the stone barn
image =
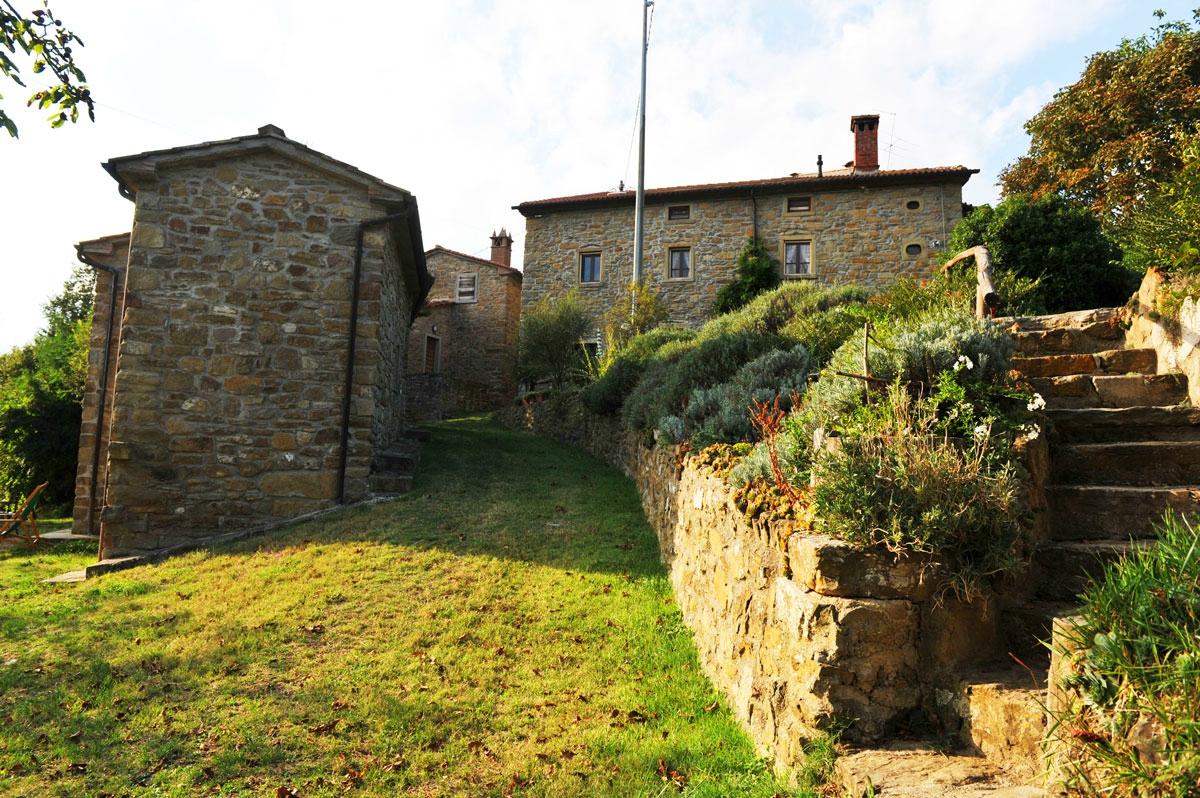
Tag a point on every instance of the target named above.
point(248, 344)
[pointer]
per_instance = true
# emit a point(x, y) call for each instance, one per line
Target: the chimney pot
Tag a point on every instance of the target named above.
point(502, 248)
point(866, 142)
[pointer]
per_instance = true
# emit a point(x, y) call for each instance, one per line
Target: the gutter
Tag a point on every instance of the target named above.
point(103, 401)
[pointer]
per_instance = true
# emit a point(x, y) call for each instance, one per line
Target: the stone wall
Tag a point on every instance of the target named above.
point(108, 307)
point(233, 349)
point(797, 630)
point(1177, 341)
point(858, 236)
point(478, 339)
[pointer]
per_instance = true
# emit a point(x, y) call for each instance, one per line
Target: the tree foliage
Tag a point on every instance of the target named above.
point(1164, 230)
point(552, 334)
point(1060, 245)
point(41, 391)
point(757, 273)
point(1104, 139)
point(638, 310)
point(42, 37)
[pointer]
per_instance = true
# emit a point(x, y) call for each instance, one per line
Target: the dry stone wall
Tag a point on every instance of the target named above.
point(1177, 341)
point(798, 631)
point(858, 237)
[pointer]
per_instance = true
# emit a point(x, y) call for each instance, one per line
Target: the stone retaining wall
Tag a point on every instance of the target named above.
point(1177, 342)
point(796, 630)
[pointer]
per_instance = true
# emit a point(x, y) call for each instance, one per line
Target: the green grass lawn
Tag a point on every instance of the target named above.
point(507, 628)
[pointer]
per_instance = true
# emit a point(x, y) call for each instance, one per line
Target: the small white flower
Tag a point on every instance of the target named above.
point(1037, 403)
point(963, 362)
point(981, 430)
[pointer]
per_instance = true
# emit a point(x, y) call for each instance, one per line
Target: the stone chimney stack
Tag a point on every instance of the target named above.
point(866, 142)
point(502, 247)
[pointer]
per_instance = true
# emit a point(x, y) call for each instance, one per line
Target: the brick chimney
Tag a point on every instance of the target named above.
point(502, 247)
point(866, 142)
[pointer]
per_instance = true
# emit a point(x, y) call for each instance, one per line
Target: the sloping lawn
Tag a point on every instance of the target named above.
point(507, 628)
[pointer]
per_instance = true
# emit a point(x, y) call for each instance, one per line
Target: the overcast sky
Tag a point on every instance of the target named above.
point(476, 106)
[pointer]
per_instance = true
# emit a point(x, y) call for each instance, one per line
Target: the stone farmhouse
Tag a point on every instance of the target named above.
point(247, 352)
point(462, 349)
point(859, 224)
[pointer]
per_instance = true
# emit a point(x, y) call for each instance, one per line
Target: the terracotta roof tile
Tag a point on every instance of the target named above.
point(831, 178)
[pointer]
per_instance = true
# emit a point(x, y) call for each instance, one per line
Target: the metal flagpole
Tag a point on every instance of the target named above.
point(640, 201)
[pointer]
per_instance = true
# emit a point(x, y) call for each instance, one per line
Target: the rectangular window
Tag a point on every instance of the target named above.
point(679, 263)
point(467, 289)
point(799, 204)
point(433, 354)
point(797, 258)
point(589, 267)
point(678, 213)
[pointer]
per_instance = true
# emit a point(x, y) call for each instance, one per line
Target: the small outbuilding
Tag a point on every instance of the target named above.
point(248, 344)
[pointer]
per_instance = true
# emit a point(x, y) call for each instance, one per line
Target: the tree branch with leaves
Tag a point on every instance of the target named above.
point(43, 37)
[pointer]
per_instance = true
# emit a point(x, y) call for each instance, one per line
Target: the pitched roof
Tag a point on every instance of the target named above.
point(829, 179)
point(498, 266)
point(269, 138)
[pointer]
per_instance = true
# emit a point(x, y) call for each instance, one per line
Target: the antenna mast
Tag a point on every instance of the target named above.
point(640, 201)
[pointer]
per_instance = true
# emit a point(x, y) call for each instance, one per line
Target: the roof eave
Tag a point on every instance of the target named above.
point(832, 182)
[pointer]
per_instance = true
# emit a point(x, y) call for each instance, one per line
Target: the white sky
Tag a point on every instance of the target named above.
point(476, 106)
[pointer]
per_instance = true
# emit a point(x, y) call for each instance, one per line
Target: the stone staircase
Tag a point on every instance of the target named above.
point(1124, 447)
point(392, 470)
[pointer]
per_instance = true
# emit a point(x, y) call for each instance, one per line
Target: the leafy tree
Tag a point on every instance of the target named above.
point(756, 274)
point(552, 334)
point(1103, 140)
point(637, 311)
point(43, 37)
point(1060, 245)
point(41, 391)
point(1164, 230)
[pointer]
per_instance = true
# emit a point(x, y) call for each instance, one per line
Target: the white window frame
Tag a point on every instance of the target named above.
point(466, 297)
point(812, 257)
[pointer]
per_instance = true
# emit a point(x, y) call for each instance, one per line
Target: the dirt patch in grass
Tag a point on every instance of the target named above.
point(505, 629)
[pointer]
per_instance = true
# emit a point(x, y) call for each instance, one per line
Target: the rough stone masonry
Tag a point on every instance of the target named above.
point(232, 398)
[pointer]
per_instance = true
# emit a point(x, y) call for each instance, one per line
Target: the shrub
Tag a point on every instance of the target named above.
point(756, 273)
point(1137, 667)
point(1164, 230)
point(637, 310)
point(625, 367)
point(894, 481)
point(551, 334)
point(721, 414)
point(1060, 245)
point(707, 362)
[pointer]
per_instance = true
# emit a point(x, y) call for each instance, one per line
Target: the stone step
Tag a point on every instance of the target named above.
point(1065, 568)
point(1114, 512)
point(1136, 390)
point(1112, 361)
point(1100, 424)
point(1099, 337)
point(1127, 463)
point(1003, 717)
point(921, 770)
point(1057, 321)
point(388, 483)
point(1028, 628)
point(398, 462)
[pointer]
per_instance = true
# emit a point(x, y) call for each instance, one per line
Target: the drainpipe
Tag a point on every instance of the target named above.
point(349, 384)
point(103, 401)
point(754, 213)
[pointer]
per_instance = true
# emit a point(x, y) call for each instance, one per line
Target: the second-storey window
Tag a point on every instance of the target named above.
point(679, 263)
point(589, 267)
point(678, 213)
point(467, 289)
point(799, 204)
point(797, 258)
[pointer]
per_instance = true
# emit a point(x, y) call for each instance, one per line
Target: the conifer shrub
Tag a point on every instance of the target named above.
point(756, 273)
